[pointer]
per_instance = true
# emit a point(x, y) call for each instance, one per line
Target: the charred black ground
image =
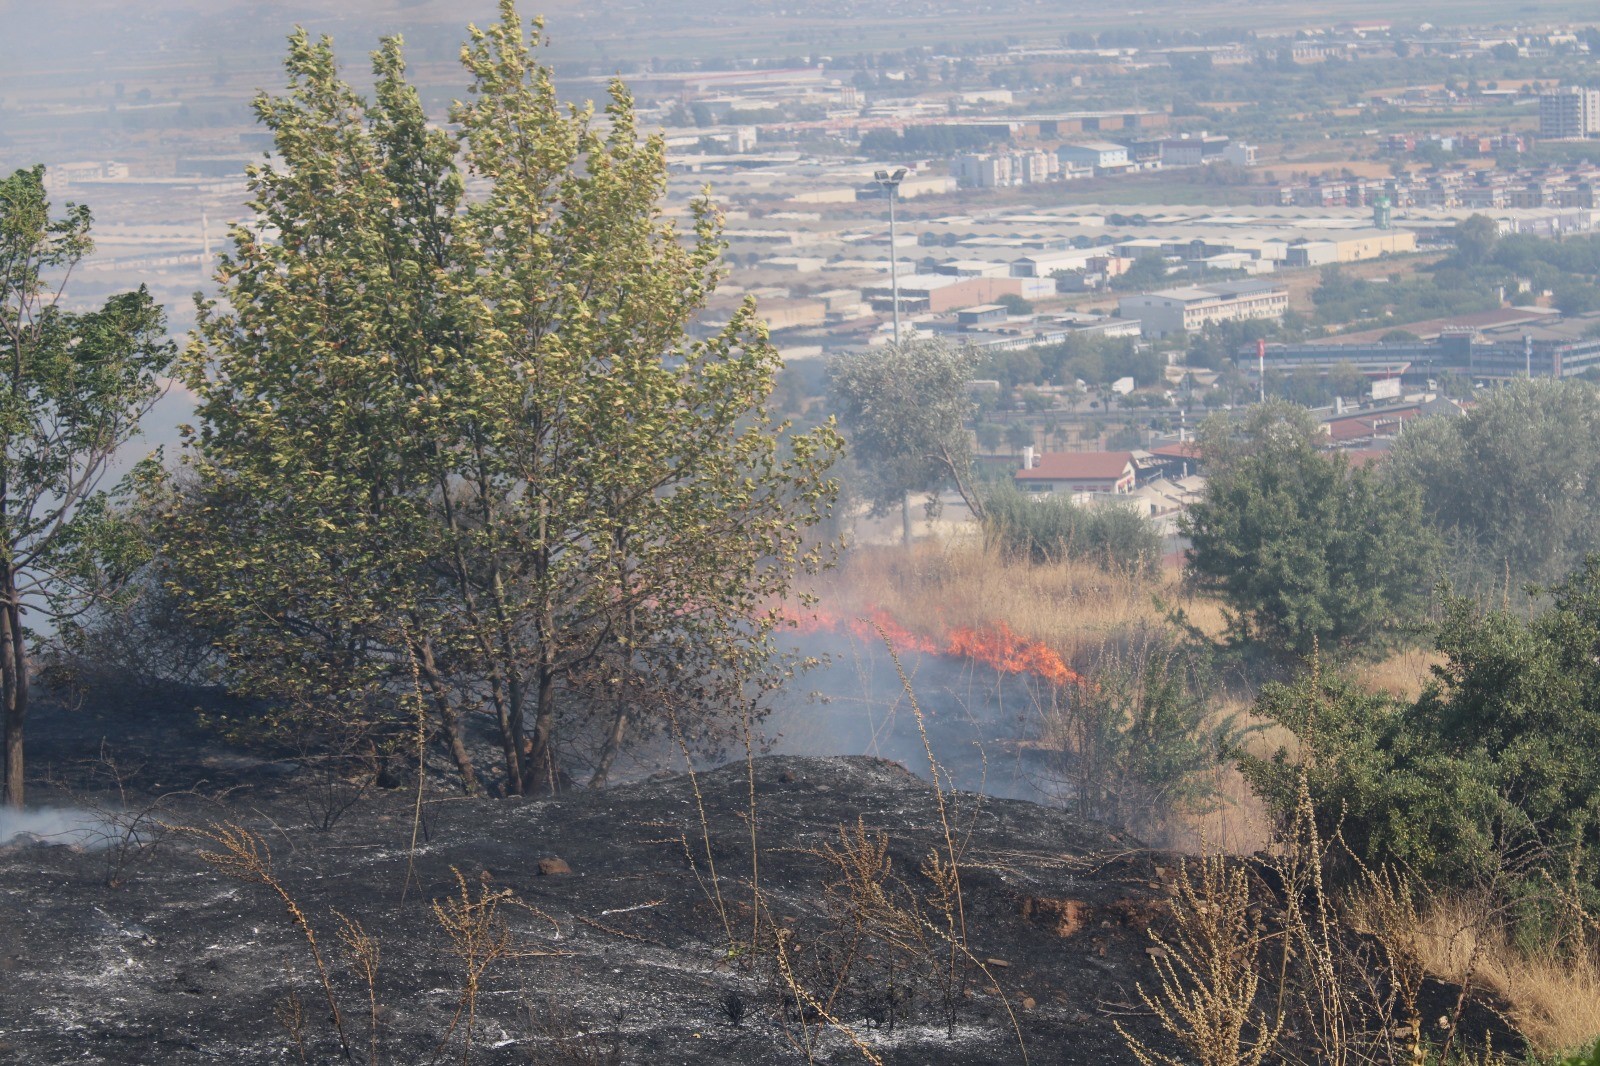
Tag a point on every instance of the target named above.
point(628, 960)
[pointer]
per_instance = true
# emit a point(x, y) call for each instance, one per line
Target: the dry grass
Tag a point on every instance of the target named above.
point(1240, 823)
point(1073, 608)
point(1554, 995)
point(1237, 824)
point(1403, 674)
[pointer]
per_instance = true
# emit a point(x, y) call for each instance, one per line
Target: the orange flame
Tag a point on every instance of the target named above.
point(998, 647)
point(1012, 654)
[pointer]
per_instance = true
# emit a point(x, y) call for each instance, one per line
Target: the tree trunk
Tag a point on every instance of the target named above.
point(973, 501)
point(449, 721)
point(519, 739)
point(905, 519)
point(618, 730)
point(509, 745)
point(450, 726)
point(541, 765)
point(14, 682)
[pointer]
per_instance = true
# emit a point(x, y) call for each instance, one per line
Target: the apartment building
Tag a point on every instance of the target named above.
point(1569, 113)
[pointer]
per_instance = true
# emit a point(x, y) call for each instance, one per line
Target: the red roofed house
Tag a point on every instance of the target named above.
point(1176, 458)
point(1076, 472)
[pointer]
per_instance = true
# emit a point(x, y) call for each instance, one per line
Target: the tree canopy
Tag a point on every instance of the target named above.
point(1301, 547)
point(904, 408)
point(456, 455)
point(1512, 484)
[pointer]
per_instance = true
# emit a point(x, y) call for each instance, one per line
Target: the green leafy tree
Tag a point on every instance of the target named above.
point(1019, 435)
point(904, 408)
point(1148, 271)
point(73, 387)
point(1036, 402)
point(1301, 547)
point(1573, 297)
point(1125, 439)
point(543, 504)
point(1346, 380)
point(1475, 238)
point(1512, 485)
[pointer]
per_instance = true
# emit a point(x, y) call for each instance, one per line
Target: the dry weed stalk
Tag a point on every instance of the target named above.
point(714, 891)
point(756, 899)
point(944, 871)
point(1384, 906)
point(1209, 973)
point(291, 1014)
point(1313, 936)
point(1324, 995)
point(363, 953)
point(869, 905)
point(480, 939)
point(805, 1000)
point(421, 717)
point(242, 855)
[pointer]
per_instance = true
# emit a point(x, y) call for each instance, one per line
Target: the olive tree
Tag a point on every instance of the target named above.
point(904, 408)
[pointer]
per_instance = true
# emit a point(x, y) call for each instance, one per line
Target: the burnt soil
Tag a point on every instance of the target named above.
point(623, 959)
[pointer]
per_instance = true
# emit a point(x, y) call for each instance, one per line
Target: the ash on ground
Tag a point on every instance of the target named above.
point(623, 924)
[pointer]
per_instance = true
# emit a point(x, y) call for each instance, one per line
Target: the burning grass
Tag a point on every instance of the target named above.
point(1065, 624)
point(1072, 609)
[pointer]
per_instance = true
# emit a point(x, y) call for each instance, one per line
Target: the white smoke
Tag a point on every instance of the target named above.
point(56, 825)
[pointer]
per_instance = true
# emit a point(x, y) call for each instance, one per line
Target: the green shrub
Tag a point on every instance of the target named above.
point(1490, 778)
point(1053, 529)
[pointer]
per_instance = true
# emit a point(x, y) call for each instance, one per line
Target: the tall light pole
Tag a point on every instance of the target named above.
point(891, 183)
point(1261, 366)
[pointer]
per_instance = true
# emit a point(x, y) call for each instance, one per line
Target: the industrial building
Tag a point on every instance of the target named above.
point(1553, 346)
point(1101, 155)
point(1192, 150)
point(1350, 246)
point(939, 293)
point(1190, 308)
